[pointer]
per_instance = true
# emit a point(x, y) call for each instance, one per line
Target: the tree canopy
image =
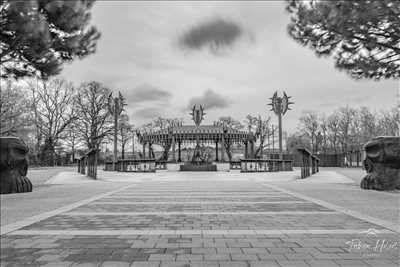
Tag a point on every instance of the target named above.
point(363, 36)
point(38, 36)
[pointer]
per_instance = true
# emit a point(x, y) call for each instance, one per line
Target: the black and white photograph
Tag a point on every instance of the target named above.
point(200, 133)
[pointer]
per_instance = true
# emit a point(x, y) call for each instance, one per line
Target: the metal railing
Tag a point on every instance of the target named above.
point(265, 165)
point(309, 163)
point(136, 165)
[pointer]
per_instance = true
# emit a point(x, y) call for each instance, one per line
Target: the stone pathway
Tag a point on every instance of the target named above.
point(199, 223)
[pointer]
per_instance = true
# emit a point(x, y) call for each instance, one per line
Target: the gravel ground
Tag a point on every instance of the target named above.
point(379, 204)
point(40, 175)
point(356, 174)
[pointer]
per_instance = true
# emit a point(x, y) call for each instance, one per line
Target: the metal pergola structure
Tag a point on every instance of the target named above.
point(192, 134)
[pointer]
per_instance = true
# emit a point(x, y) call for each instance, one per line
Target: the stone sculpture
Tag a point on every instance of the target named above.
point(382, 163)
point(13, 166)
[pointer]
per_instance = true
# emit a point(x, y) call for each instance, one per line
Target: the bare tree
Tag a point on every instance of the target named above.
point(346, 119)
point(52, 103)
point(125, 130)
point(323, 125)
point(261, 130)
point(71, 138)
point(309, 125)
point(295, 140)
point(230, 123)
point(14, 109)
point(162, 124)
point(94, 117)
point(333, 130)
point(389, 122)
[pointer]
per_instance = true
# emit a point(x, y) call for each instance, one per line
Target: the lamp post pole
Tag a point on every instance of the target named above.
point(280, 105)
point(115, 107)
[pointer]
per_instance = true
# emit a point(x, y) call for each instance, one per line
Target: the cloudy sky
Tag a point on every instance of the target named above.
point(229, 56)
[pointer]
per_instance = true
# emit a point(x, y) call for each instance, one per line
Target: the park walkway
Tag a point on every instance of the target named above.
point(199, 222)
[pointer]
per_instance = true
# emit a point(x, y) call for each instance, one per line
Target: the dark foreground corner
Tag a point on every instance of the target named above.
point(13, 166)
point(382, 163)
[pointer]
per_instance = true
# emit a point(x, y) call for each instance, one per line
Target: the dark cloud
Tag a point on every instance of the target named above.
point(210, 100)
point(146, 113)
point(215, 34)
point(145, 92)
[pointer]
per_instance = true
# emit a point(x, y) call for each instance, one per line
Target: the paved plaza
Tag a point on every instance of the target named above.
point(198, 219)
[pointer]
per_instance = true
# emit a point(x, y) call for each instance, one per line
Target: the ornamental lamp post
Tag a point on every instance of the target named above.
point(115, 107)
point(280, 105)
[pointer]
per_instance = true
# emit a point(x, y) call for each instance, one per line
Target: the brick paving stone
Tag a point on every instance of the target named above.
point(331, 249)
point(381, 263)
point(57, 264)
point(320, 263)
point(115, 264)
point(352, 263)
point(189, 257)
point(49, 257)
point(241, 257)
point(178, 251)
point(145, 264)
point(175, 264)
point(238, 244)
point(205, 250)
point(280, 250)
point(217, 257)
point(350, 255)
point(254, 250)
point(298, 256)
point(292, 263)
point(263, 264)
point(287, 245)
point(229, 250)
point(85, 264)
point(273, 256)
point(233, 264)
point(325, 256)
point(162, 257)
point(306, 250)
point(204, 264)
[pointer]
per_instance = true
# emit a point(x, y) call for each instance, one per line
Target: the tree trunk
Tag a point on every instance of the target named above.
point(228, 151)
point(165, 153)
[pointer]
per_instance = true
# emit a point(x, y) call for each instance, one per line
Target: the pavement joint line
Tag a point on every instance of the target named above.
point(201, 191)
point(194, 202)
point(195, 194)
point(31, 220)
point(198, 213)
point(190, 196)
point(194, 231)
point(383, 223)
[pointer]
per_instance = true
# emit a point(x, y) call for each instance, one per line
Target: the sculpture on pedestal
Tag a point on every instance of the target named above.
point(382, 163)
point(13, 166)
